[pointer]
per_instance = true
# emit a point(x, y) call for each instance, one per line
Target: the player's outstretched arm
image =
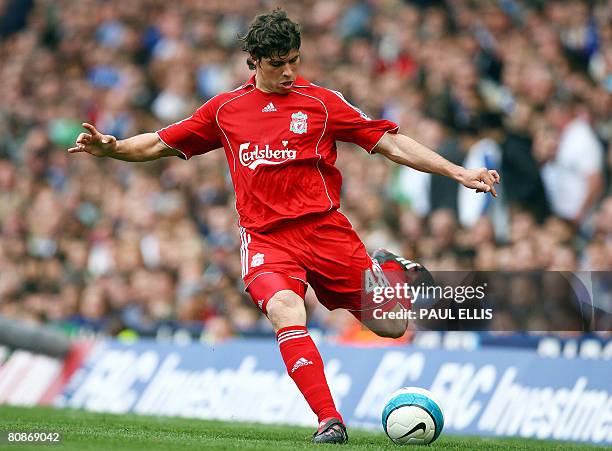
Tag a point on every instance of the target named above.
point(404, 150)
point(144, 147)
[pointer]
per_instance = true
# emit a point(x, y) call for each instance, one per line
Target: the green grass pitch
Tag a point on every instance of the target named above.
point(85, 431)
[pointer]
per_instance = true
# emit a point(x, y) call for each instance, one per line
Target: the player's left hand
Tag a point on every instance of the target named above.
point(482, 180)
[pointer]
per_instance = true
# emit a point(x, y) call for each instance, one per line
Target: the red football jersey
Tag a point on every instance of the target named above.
point(281, 148)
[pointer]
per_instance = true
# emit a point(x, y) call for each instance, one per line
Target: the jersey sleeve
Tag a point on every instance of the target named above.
point(348, 123)
point(195, 135)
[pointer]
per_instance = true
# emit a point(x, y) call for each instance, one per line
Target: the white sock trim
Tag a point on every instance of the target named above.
point(293, 337)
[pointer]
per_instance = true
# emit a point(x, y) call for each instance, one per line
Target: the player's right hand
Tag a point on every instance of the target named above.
point(94, 142)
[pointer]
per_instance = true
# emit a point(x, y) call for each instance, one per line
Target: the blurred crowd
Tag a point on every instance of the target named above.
point(151, 248)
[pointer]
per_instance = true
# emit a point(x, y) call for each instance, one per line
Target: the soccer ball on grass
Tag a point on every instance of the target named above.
point(412, 415)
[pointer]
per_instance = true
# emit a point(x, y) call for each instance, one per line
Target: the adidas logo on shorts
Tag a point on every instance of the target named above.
point(300, 363)
point(268, 108)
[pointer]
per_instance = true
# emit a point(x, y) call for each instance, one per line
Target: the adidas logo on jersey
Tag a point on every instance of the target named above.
point(300, 363)
point(268, 108)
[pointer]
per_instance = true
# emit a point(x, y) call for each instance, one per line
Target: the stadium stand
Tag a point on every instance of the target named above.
point(112, 248)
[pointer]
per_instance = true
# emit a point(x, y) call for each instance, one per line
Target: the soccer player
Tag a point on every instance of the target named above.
point(279, 133)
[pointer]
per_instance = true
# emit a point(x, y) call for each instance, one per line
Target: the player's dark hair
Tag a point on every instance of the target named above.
point(272, 34)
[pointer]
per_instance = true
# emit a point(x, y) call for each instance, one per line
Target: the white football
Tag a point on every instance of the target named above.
point(412, 415)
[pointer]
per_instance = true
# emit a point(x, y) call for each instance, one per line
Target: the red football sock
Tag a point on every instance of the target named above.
point(305, 367)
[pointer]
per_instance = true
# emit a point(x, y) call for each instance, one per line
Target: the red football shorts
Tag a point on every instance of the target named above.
point(323, 251)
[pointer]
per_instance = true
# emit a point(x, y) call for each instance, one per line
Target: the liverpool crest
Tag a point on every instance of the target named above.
point(298, 123)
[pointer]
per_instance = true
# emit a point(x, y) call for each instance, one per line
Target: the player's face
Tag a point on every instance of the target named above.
point(277, 73)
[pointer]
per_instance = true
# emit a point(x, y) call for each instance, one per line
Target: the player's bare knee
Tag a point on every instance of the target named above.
point(388, 328)
point(285, 309)
point(396, 328)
